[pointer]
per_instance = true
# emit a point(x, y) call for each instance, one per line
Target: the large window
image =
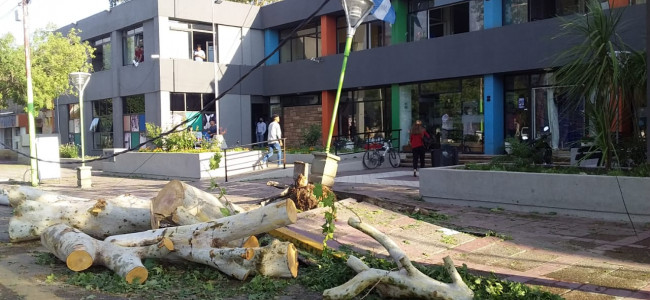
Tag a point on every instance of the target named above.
point(102, 124)
point(431, 19)
point(102, 59)
point(74, 124)
point(532, 102)
point(184, 106)
point(363, 111)
point(304, 44)
point(186, 37)
point(451, 110)
point(134, 121)
point(133, 51)
point(368, 35)
point(522, 11)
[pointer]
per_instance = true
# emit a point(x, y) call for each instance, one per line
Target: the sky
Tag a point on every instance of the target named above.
point(43, 12)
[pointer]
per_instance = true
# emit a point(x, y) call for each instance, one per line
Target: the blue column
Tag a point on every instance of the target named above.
point(492, 13)
point(271, 41)
point(493, 114)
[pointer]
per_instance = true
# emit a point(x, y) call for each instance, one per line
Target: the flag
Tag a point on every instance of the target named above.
point(383, 11)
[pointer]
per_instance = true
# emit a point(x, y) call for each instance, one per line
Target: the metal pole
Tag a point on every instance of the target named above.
point(348, 46)
point(81, 122)
point(30, 98)
point(216, 74)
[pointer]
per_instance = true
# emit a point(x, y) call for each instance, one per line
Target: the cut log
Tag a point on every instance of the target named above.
point(278, 259)
point(80, 251)
point(98, 218)
point(180, 202)
point(219, 232)
point(16, 194)
point(406, 282)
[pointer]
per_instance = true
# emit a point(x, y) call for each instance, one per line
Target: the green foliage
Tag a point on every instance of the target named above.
point(262, 288)
point(53, 57)
point(68, 151)
point(311, 135)
point(603, 73)
point(215, 160)
point(152, 134)
point(180, 140)
point(45, 258)
point(330, 216)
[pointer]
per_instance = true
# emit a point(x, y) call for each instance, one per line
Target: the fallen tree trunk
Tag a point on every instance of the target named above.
point(301, 192)
point(219, 232)
point(16, 194)
point(179, 203)
point(98, 218)
point(80, 251)
point(406, 282)
point(278, 259)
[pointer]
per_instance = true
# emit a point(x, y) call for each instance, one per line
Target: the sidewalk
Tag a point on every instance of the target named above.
point(578, 258)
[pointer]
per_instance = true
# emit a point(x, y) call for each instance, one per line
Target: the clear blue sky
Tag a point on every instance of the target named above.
point(43, 12)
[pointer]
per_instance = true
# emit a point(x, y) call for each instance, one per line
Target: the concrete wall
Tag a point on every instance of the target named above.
point(579, 195)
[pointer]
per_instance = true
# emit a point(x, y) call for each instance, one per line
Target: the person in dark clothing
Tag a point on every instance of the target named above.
point(417, 145)
point(212, 130)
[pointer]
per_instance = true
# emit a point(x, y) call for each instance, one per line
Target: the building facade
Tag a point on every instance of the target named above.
point(474, 71)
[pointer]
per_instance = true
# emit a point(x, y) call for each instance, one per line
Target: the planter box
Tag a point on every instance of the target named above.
point(180, 165)
point(306, 158)
point(579, 195)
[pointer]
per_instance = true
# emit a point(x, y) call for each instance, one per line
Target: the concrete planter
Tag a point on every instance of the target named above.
point(579, 195)
point(306, 158)
point(324, 168)
point(180, 165)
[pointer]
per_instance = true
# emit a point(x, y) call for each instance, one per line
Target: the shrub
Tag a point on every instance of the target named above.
point(153, 132)
point(215, 160)
point(311, 135)
point(180, 140)
point(68, 151)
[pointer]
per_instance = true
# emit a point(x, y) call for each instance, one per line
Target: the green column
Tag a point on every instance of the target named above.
point(398, 31)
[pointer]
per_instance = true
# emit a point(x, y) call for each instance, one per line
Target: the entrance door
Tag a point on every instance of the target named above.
point(260, 108)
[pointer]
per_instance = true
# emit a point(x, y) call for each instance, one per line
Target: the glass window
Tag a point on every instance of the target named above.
point(102, 124)
point(427, 21)
point(102, 59)
point(418, 26)
point(134, 104)
point(515, 12)
point(134, 121)
point(303, 45)
point(452, 111)
point(185, 38)
point(363, 111)
point(133, 46)
point(74, 124)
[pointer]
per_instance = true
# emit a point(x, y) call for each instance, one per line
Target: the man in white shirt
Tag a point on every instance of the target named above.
point(274, 140)
point(199, 55)
point(260, 130)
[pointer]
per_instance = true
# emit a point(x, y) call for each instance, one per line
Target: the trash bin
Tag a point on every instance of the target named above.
point(447, 155)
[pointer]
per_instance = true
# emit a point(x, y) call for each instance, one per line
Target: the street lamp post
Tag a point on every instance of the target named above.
point(215, 66)
point(80, 80)
point(30, 97)
point(325, 164)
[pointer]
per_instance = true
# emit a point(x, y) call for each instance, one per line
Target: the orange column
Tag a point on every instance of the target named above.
point(618, 3)
point(328, 47)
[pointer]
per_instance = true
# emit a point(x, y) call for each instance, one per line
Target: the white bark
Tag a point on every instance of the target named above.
point(226, 260)
point(80, 251)
point(406, 282)
point(98, 218)
point(218, 233)
point(179, 201)
point(279, 259)
point(16, 194)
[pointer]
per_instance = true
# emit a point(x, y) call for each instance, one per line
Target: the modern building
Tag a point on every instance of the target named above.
point(475, 71)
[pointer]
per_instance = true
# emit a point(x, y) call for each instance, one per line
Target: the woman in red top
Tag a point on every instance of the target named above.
point(417, 145)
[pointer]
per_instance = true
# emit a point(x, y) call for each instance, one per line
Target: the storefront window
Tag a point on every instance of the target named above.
point(74, 124)
point(532, 102)
point(101, 125)
point(184, 106)
point(452, 111)
point(362, 113)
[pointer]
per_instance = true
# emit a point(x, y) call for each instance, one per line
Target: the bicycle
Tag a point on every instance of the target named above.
point(373, 158)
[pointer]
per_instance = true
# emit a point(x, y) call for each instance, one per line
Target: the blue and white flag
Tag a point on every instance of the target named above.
point(383, 11)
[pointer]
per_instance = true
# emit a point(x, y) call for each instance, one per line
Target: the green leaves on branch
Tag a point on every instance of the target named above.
point(330, 216)
point(53, 57)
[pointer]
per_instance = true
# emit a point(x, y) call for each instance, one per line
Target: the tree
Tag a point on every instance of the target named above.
point(53, 57)
point(598, 72)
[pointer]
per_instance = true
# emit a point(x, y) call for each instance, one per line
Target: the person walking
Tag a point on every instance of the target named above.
point(274, 141)
point(260, 130)
point(417, 145)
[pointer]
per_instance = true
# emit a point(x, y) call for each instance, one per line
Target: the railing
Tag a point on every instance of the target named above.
point(363, 141)
point(246, 151)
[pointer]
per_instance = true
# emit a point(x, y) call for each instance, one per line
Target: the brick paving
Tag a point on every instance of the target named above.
point(578, 258)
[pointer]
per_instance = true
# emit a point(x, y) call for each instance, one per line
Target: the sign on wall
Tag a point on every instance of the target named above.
point(47, 149)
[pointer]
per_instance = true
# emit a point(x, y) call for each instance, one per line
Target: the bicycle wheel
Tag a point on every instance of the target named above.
point(371, 159)
point(393, 158)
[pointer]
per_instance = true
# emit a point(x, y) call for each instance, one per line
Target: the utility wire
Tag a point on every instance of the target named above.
point(205, 107)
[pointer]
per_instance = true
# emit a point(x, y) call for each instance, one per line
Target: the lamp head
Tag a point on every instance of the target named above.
point(79, 79)
point(356, 11)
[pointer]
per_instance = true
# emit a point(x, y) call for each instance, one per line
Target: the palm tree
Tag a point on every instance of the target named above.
point(598, 71)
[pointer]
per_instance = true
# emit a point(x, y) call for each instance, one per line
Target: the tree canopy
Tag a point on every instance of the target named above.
point(53, 57)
